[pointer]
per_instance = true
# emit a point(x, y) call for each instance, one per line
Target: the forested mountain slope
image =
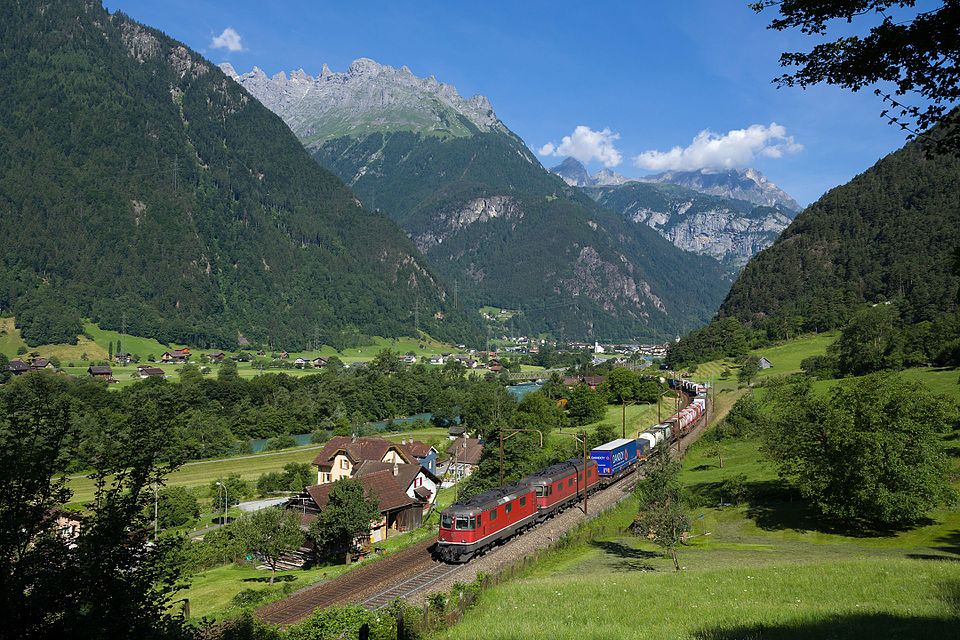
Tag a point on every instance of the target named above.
point(891, 233)
point(485, 212)
point(138, 181)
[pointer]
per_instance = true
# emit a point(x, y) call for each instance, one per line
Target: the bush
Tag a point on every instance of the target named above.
point(249, 597)
point(176, 506)
point(281, 442)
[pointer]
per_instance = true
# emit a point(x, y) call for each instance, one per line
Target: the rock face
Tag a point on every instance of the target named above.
point(573, 173)
point(730, 230)
point(741, 184)
point(368, 97)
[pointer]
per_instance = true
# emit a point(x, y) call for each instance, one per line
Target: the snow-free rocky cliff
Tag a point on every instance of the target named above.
point(728, 215)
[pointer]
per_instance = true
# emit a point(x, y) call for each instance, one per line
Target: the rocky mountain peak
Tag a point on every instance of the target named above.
point(573, 173)
point(368, 97)
point(742, 184)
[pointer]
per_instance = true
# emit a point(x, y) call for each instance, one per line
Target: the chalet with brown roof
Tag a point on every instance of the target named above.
point(398, 511)
point(41, 363)
point(217, 356)
point(177, 355)
point(319, 363)
point(342, 454)
point(100, 371)
point(495, 366)
point(465, 454)
point(146, 371)
point(17, 367)
point(417, 482)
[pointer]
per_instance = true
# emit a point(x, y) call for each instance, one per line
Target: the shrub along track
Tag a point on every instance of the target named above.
point(412, 573)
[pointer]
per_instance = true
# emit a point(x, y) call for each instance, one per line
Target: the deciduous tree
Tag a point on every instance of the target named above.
point(270, 533)
point(347, 515)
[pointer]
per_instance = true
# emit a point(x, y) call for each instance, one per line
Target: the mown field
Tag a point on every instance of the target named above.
point(767, 568)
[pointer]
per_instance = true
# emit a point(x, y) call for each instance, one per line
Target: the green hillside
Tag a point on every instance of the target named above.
point(138, 181)
point(889, 234)
point(489, 217)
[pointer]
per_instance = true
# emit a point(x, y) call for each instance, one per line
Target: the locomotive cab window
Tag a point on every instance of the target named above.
point(508, 507)
point(523, 501)
point(541, 491)
point(463, 524)
point(446, 521)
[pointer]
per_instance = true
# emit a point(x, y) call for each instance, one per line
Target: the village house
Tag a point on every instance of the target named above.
point(122, 358)
point(179, 356)
point(300, 363)
point(147, 371)
point(283, 355)
point(419, 483)
point(410, 359)
point(764, 363)
point(425, 454)
point(398, 511)
point(341, 454)
point(100, 372)
point(464, 456)
point(436, 360)
point(39, 364)
point(216, 357)
point(17, 367)
point(319, 363)
point(495, 366)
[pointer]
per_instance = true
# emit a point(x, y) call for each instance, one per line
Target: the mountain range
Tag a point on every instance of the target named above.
point(489, 218)
point(138, 183)
point(737, 184)
point(727, 228)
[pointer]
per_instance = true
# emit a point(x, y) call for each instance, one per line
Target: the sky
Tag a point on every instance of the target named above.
point(636, 87)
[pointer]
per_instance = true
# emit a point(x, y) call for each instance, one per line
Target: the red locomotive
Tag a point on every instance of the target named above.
point(485, 519)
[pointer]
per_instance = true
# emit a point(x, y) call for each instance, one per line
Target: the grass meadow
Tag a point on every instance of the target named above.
point(765, 569)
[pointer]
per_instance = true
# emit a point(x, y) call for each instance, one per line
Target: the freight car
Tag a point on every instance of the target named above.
point(478, 523)
point(615, 458)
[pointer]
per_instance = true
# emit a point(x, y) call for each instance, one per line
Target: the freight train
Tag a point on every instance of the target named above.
point(473, 526)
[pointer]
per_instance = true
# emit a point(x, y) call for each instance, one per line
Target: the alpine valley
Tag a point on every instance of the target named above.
point(489, 218)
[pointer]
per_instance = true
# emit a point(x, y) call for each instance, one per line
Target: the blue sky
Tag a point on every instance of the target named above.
point(653, 74)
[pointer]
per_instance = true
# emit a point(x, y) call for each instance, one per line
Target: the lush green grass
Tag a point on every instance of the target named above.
point(786, 358)
point(770, 569)
point(201, 474)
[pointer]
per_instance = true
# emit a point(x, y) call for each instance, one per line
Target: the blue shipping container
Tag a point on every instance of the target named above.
point(614, 456)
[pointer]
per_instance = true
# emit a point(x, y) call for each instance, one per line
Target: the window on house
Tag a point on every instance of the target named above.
point(343, 463)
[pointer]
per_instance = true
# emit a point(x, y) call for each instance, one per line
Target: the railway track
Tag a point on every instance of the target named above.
point(401, 570)
point(409, 573)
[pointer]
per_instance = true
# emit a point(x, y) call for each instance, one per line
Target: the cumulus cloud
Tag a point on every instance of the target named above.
point(737, 148)
point(585, 145)
point(229, 40)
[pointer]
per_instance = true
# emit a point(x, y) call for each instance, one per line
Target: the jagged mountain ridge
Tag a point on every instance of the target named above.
point(489, 217)
point(738, 184)
point(145, 184)
point(741, 184)
point(730, 230)
point(368, 97)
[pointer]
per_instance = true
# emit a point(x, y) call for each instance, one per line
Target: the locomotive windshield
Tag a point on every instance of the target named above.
point(446, 521)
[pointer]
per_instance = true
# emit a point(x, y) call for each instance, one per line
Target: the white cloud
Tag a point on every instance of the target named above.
point(585, 145)
point(229, 40)
point(736, 148)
